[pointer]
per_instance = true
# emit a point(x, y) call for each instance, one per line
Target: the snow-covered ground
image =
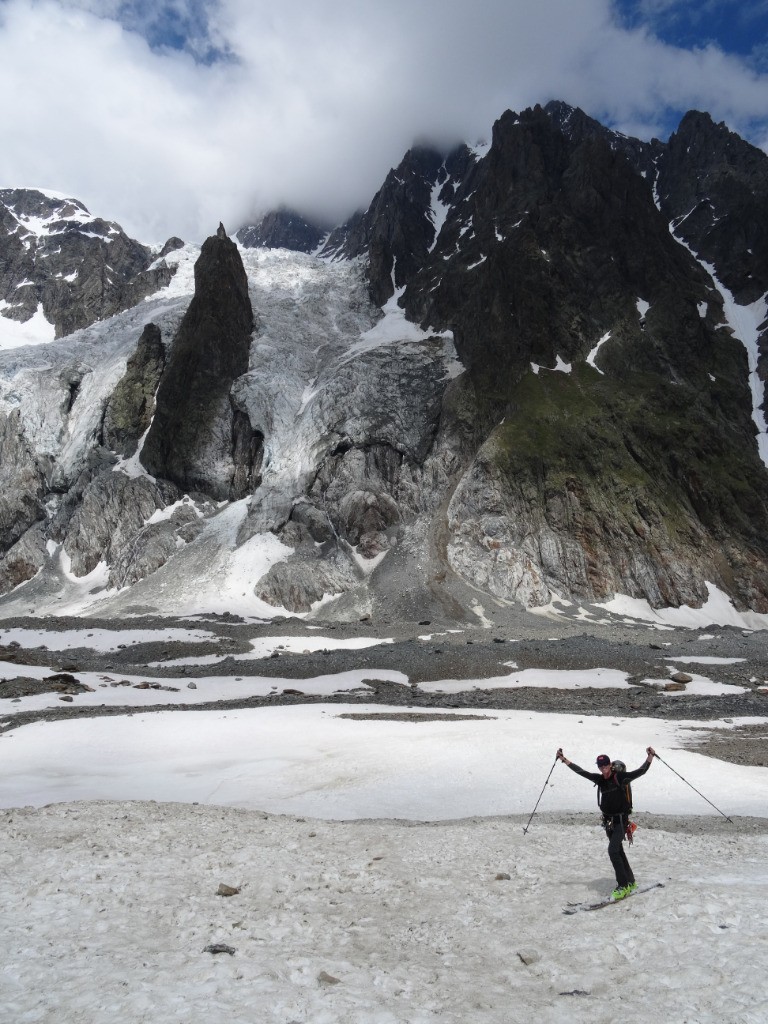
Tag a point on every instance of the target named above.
point(263, 647)
point(328, 761)
point(107, 907)
point(35, 331)
point(98, 639)
point(718, 609)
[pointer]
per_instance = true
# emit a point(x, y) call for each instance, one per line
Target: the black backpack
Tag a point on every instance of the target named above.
point(619, 768)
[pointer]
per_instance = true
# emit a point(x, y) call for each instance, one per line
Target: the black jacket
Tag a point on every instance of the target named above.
point(611, 792)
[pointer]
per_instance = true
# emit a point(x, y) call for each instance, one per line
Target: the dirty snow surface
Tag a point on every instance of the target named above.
point(391, 881)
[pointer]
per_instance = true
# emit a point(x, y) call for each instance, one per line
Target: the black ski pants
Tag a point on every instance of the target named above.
point(615, 828)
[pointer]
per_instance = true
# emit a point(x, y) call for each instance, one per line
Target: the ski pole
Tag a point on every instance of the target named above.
point(694, 789)
point(541, 794)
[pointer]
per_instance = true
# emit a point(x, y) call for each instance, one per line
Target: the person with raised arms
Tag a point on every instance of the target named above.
point(614, 798)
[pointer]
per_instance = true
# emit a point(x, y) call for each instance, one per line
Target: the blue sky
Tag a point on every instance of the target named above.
point(183, 25)
point(736, 26)
point(170, 116)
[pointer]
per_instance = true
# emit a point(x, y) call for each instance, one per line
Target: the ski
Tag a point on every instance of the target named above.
point(575, 908)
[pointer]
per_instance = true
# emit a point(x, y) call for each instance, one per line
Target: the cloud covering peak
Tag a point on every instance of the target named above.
point(172, 116)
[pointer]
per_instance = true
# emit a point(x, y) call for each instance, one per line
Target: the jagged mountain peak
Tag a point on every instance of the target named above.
point(401, 225)
point(694, 122)
point(713, 187)
point(574, 122)
point(710, 144)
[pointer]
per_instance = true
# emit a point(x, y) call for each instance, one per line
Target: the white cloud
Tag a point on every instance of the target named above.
point(314, 102)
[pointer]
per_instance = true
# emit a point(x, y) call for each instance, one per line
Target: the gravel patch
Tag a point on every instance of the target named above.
point(427, 651)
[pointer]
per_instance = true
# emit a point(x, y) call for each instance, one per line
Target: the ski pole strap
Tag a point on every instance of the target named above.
point(695, 790)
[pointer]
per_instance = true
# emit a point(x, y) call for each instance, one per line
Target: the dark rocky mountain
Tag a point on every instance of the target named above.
point(529, 371)
point(77, 268)
point(578, 126)
point(283, 229)
point(397, 231)
point(712, 186)
point(552, 242)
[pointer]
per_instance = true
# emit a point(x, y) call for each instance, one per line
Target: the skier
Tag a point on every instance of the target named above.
point(613, 799)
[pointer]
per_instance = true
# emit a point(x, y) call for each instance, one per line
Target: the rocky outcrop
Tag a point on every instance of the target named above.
point(129, 409)
point(24, 559)
point(155, 543)
point(282, 229)
point(308, 578)
point(23, 481)
point(596, 511)
point(198, 439)
point(359, 491)
point(113, 513)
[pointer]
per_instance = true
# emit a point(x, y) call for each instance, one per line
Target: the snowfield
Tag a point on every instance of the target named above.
point(108, 909)
point(109, 899)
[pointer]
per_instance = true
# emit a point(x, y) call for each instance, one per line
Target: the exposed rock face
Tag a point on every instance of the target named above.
point(713, 186)
point(578, 126)
point(112, 514)
point(198, 439)
point(282, 229)
point(562, 240)
point(154, 545)
point(24, 559)
point(130, 406)
point(56, 257)
point(396, 231)
point(23, 481)
point(592, 511)
point(300, 583)
point(548, 244)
